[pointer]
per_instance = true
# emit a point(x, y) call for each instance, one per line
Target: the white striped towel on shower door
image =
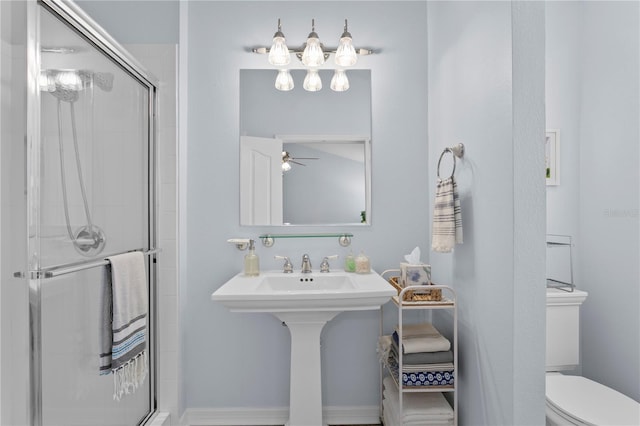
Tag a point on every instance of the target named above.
point(124, 323)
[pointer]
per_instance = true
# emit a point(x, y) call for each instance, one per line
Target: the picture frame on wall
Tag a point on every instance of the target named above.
point(552, 157)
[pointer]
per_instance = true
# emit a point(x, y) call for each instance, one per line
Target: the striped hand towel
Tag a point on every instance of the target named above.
point(124, 323)
point(447, 218)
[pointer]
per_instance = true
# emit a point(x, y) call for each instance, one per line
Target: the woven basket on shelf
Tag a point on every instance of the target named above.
point(434, 295)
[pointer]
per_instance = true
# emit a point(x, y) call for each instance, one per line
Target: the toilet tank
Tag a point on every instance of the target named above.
point(563, 328)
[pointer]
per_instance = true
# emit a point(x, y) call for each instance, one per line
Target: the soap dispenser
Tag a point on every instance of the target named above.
point(251, 261)
point(350, 263)
point(363, 265)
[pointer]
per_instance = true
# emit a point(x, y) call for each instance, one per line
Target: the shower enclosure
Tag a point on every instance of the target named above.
point(78, 184)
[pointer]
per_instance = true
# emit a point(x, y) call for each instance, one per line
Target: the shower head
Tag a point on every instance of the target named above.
point(104, 80)
point(66, 84)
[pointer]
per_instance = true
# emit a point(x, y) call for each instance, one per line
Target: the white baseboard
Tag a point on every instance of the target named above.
point(241, 416)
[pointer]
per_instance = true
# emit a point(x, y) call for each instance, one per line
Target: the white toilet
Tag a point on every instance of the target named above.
point(576, 400)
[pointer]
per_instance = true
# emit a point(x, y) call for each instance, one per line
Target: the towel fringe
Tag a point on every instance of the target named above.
point(127, 378)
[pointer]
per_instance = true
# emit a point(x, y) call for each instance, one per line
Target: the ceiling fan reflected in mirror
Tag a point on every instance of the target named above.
point(287, 159)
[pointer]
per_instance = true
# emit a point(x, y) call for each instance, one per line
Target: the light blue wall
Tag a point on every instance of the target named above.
point(593, 98)
point(486, 90)
point(266, 111)
point(232, 359)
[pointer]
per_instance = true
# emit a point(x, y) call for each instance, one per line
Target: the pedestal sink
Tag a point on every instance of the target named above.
point(305, 302)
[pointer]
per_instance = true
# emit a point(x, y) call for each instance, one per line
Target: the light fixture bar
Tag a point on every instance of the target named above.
point(327, 50)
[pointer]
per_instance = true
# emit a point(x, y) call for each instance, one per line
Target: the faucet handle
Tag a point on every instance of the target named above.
point(288, 266)
point(324, 266)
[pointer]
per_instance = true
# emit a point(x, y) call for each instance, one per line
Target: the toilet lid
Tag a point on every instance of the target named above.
point(590, 402)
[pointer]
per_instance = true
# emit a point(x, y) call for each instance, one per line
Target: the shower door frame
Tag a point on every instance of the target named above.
point(82, 24)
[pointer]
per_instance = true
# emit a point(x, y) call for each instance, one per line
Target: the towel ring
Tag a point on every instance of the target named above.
point(456, 151)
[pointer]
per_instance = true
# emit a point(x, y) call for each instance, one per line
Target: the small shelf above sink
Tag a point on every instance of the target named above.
point(344, 238)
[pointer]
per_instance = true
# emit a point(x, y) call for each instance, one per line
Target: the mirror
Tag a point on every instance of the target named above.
point(305, 180)
point(325, 137)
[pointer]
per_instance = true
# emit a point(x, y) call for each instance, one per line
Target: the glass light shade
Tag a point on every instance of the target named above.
point(339, 81)
point(279, 52)
point(313, 56)
point(346, 53)
point(312, 81)
point(286, 166)
point(284, 81)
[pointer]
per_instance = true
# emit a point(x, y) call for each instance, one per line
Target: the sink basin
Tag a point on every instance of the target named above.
point(279, 292)
point(301, 283)
point(305, 303)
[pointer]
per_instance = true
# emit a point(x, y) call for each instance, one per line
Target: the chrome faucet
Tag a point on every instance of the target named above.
point(324, 266)
point(306, 264)
point(288, 267)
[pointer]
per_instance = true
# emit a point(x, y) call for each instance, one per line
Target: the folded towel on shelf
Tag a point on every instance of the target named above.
point(420, 358)
point(417, 407)
point(390, 415)
point(438, 375)
point(124, 323)
point(418, 329)
point(422, 368)
point(415, 344)
point(387, 346)
point(446, 230)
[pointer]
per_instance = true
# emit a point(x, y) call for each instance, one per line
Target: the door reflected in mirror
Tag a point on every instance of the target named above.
point(305, 180)
point(307, 160)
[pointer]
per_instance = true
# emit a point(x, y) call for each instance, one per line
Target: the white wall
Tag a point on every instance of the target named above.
point(593, 98)
point(486, 91)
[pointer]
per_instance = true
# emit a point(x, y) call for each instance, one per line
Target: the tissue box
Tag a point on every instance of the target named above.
point(414, 274)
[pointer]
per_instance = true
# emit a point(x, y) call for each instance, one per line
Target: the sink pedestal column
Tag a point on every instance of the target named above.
point(305, 389)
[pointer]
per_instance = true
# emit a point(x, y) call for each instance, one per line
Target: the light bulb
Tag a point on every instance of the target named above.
point(285, 161)
point(312, 81)
point(313, 56)
point(339, 81)
point(279, 52)
point(284, 81)
point(346, 53)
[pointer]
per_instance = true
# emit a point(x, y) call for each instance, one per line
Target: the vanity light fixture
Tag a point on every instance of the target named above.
point(284, 81)
point(339, 81)
point(313, 56)
point(346, 53)
point(312, 81)
point(279, 53)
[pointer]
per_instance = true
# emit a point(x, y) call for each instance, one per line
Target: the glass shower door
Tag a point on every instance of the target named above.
point(90, 183)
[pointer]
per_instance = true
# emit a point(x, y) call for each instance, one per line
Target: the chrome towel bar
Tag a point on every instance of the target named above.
point(55, 271)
